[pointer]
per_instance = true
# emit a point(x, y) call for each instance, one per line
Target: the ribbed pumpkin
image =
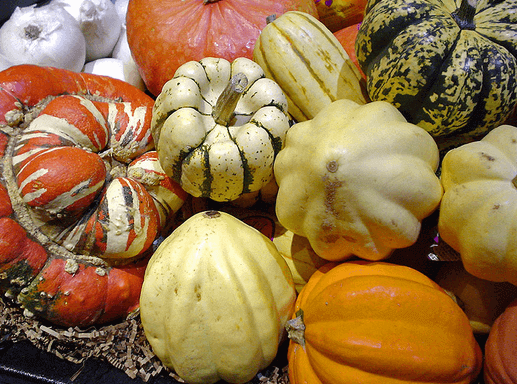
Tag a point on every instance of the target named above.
point(165, 34)
point(500, 349)
point(308, 62)
point(375, 322)
point(449, 66)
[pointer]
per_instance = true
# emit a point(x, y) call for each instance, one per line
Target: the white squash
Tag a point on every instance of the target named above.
point(215, 299)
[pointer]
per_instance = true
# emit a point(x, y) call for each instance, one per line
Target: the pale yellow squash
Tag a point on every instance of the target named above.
point(298, 254)
point(311, 66)
point(479, 208)
point(215, 299)
point(357, 180)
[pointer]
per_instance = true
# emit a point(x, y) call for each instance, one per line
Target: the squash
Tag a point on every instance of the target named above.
point(481, 300)
point(357, 180)
point(300, 54)
point(500, 365)
point(215, 299)
point(477, 213)
point(165, 34)
point(376, 322)
point(78, 214)
point(218, 126)
point(339, 14)
point(298, 254)
point(449, 66)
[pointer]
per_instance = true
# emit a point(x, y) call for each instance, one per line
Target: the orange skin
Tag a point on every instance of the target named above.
point(376, 322)
point(500, 365)
point(31, 271)
point(165, 34)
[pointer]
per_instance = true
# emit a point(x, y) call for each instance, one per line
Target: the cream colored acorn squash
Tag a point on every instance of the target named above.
point(357, 180)
point(215, 299)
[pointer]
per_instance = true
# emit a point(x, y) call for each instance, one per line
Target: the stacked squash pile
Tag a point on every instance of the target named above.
point(314, 146)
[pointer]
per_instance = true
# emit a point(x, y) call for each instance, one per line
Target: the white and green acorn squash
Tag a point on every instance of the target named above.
point(218, 127)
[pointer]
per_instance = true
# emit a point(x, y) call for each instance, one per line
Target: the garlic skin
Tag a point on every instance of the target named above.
point(71, 6)
point(116, 68)
point(46, 36)
point(122, 52)
point(101, 25)
point(121, 7)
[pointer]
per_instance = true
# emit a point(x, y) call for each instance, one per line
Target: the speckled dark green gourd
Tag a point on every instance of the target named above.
point(448, 66)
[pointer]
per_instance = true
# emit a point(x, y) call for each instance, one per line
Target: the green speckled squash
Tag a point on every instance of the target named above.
point(450, 66)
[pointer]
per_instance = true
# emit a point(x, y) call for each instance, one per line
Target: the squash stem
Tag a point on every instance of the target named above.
point(514, 181)
point(225, 106)
point(296, 329)
point(464, 15)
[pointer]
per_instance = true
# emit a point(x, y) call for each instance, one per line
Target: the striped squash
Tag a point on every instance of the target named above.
point(82, 196)
point(449, 66)
point(218, 126)
point(70, 164)
point(313, 69)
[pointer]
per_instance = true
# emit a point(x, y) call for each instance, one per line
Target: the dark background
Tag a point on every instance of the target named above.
point(8, 7)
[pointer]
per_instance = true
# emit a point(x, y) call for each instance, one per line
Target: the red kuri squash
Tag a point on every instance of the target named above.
point(164, 34)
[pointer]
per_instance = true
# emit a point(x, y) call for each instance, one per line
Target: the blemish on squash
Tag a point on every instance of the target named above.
point(487, 157)
point(349, 239)
point(332, 166)
point(197, 291)
point(330, 194)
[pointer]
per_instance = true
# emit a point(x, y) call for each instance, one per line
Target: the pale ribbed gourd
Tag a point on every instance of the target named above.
point(357, 180)
point(477, 212)
point(216, 296)
point(218, 126)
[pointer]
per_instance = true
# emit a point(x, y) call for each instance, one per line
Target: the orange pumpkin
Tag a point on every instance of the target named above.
point(164, 34)
point(501, 349)
point(377, 322)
